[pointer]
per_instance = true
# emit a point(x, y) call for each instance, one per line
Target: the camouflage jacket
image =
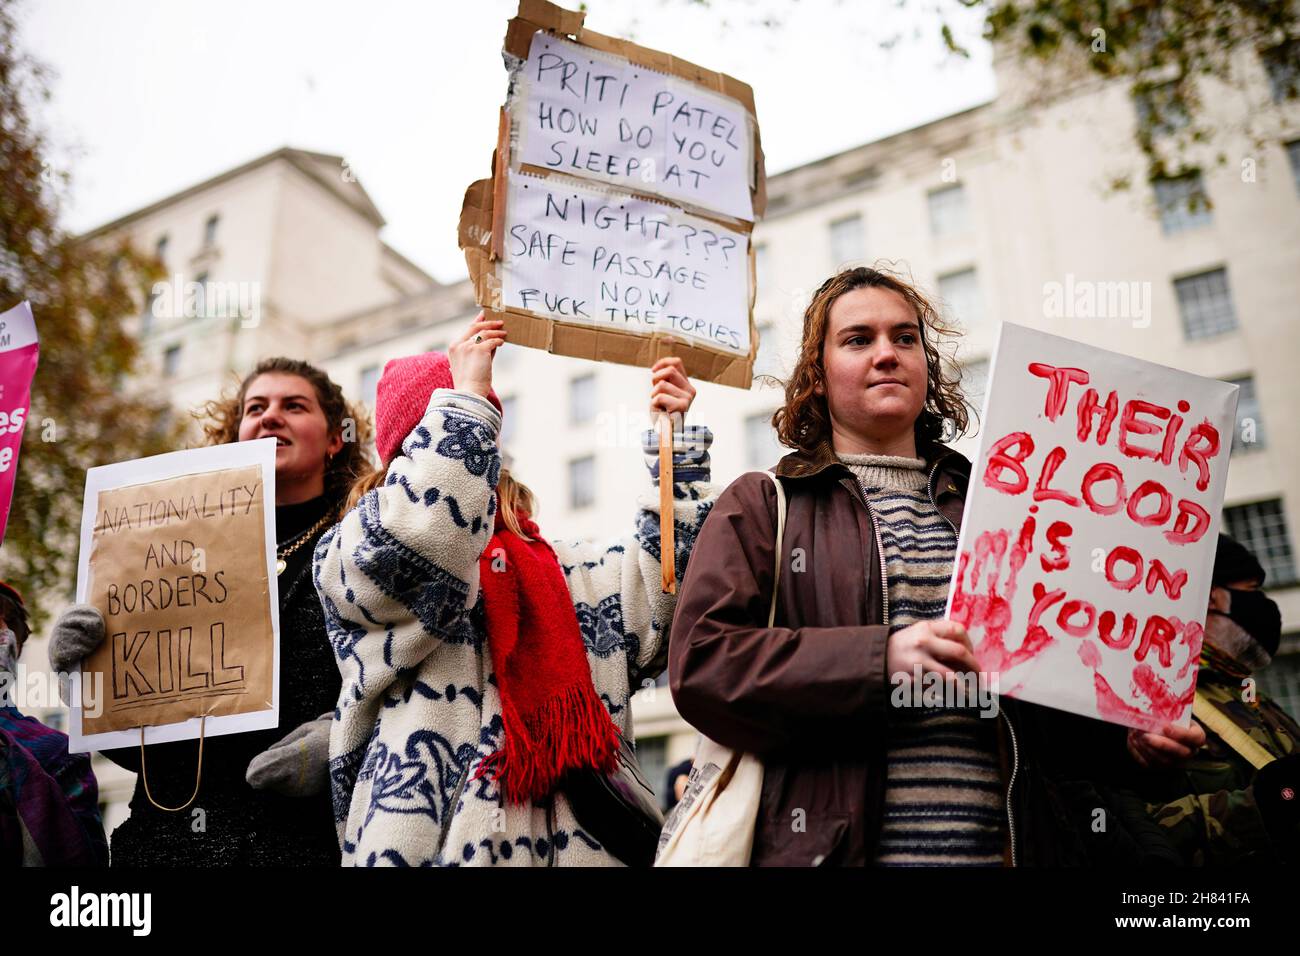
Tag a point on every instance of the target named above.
point(1208, 805)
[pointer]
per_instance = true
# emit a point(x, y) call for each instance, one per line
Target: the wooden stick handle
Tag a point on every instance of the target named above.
point(667, 542)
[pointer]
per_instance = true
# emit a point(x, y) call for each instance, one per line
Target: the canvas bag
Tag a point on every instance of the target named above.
point(713, 824)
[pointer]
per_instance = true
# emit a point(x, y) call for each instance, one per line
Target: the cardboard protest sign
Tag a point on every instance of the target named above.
point(616, 262)
point(178, 554)
point(589, 113)
point(666, 150)
point(19, 352)
point(1091, 521)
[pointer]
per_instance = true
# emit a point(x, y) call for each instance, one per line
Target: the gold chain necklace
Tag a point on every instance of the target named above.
point(298, 542)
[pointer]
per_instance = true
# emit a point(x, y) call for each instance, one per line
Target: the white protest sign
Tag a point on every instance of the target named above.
point(1091, 521)
point(589, 113)
point(610, 261)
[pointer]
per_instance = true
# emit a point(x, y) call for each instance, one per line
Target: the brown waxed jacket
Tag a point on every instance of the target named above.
point(810, 696)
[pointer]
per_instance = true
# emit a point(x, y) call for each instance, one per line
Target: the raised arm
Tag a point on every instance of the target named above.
point(409, 550)
point(617, 587)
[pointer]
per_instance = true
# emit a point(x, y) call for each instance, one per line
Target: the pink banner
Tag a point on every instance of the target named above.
point(19, 351)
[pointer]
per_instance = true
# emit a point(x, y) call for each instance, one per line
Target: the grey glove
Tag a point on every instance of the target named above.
point(298, 765)
point(77, 632)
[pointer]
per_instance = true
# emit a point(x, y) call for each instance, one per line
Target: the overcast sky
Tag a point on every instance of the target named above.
point(152, 97)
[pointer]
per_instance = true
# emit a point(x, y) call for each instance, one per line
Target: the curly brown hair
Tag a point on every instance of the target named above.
point(220, 420)
point(804, 421)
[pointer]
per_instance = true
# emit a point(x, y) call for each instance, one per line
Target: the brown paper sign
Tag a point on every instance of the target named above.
point(178, 569)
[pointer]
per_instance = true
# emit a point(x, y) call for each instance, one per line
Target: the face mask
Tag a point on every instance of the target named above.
point(1249, 631)
point(8, 650)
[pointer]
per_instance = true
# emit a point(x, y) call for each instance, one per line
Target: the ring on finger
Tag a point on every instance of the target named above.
point(478, 339)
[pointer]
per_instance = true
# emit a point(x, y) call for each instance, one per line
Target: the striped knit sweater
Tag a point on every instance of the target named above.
point(943, 793)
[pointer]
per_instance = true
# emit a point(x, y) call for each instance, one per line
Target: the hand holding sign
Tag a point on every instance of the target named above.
point(671, 392)
point(1167, 749)
point(936, 647)
point(470, 356)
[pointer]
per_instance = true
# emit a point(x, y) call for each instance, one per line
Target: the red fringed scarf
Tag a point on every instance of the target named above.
point(554, 720)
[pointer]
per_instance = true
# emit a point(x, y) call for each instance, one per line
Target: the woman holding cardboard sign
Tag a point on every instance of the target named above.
point(487, 674)
point(859, 768)
point(262, 797)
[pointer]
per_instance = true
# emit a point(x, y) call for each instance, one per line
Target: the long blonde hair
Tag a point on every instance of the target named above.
point(513, 497)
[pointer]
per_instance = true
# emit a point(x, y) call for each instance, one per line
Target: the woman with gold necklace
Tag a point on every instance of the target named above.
point(264, 796)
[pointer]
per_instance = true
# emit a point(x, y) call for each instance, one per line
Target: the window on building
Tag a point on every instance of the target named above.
point(147, 316)
point(1281, 680)
point(509, 419)
point(163, 421)
point(1161, 109)
point(762, 448)
point(582, 399)
point(766, 362)
point(975, 383)
point(171, 361)
point(1261, 527)
point(1250, 425)
point(582, 482)
point(960, 293)
point(201, 294)
point(1293, 154)
point(1183, 203)
point(369, 384)
point(160, 249)
point(762, 263)
point(1205, 304)
point(846, 241)
point(948, 211)
point(210, 230)
point(1283, 75)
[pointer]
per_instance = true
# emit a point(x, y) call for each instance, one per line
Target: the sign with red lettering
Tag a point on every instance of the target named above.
point(1087, 546)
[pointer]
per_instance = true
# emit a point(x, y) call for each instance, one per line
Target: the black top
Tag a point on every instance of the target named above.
point(240, 826)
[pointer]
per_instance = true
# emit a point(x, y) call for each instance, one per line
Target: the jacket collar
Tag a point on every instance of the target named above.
point(808, 464)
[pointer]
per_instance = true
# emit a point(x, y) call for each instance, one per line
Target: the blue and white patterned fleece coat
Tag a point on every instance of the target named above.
point(420, 707)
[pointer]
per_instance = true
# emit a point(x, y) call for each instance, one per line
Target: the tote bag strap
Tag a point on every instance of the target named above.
point(729, 770)
point(780, 535)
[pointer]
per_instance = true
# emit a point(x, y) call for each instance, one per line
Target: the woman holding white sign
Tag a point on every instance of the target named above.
point(262, 797)
point(487, 674)
point(859, 766)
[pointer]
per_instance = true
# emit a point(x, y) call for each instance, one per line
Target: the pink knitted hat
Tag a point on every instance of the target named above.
point(403, 396)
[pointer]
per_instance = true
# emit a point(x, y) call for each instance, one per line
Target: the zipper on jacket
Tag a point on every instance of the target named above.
point(1015, 767)
point(880, 556)
point(929, 490)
